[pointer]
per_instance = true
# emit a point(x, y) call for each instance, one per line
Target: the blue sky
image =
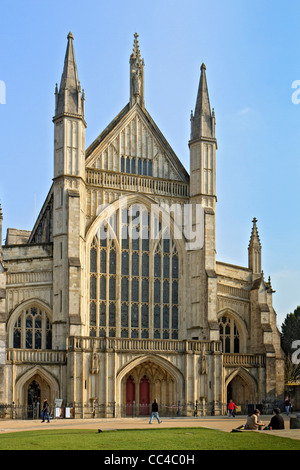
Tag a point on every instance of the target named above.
point(252, 54)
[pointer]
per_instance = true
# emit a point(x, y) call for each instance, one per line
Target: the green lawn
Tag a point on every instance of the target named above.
point(154, 439)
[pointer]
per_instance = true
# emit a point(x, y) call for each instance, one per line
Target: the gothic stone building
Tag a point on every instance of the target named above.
point(108, 321)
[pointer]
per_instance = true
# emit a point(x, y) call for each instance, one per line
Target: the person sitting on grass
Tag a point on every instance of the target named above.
point(253, 421)
point(277, 422)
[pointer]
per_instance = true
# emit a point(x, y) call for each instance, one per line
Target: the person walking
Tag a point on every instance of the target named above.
point(46, 411)
point(154, 412)
point(231, 408)
point(287, 405)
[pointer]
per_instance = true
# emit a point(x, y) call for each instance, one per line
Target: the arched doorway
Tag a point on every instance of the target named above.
point(33, 400)
point(242, 390)
point(144, 404)
point(130, 396)
point(146, 380)
point(34, 393)
point(36, 382)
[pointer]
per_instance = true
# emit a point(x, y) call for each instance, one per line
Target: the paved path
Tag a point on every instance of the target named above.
point(222, 423)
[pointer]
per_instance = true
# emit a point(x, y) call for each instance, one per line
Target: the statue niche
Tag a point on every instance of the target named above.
point(136, 82)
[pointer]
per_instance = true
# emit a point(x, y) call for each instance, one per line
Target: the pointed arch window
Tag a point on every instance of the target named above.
point(32, 330)
point(134, 288)
point(229, 335)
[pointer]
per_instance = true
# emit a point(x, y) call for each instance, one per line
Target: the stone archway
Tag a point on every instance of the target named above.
point(36, 381)
point(241, 387)
point(145, 379)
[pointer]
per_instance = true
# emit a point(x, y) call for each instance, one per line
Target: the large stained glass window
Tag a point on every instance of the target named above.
point(133, 279)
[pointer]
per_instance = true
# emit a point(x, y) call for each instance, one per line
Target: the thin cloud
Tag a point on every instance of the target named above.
point(244, 111)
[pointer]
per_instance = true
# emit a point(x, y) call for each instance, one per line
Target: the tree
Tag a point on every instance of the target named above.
point(290, 331)
point(292, 371)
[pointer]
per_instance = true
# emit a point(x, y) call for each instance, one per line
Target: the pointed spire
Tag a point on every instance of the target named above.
point(254, 250)
point(202, 122)
point(254, 239)
point(136, 74)
point(68, 98)
point(69, 75)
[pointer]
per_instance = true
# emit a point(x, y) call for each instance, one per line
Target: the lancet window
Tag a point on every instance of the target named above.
point(136, 165)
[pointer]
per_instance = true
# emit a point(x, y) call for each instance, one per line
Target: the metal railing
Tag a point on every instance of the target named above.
point(13, 411)
point(94, 410)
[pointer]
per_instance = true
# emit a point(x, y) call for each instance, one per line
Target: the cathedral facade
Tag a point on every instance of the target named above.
point(116, 297)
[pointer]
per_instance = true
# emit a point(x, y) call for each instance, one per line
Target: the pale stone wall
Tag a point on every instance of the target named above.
point(104, 376)
point(29, 274)
point(248, 298)
point(2, 333)
point(17, 237)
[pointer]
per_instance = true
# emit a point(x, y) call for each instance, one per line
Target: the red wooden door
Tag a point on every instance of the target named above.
point(130, 396)
point(144, 396)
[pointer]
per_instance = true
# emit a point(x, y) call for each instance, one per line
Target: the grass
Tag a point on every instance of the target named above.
point(154, 439)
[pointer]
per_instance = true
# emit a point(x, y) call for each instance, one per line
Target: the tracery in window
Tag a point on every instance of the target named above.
point(166, 289)
point(103, 287)
point(133, 283)
point(229, 335)
point(32, 330)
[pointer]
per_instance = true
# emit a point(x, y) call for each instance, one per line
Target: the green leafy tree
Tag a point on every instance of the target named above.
point(292, 371)
point(290, 331)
